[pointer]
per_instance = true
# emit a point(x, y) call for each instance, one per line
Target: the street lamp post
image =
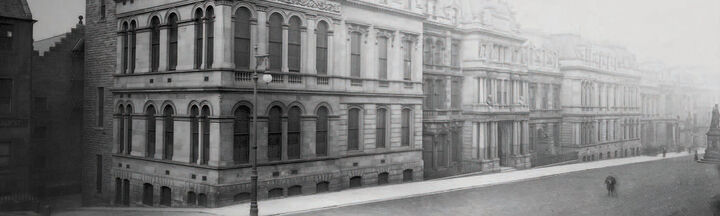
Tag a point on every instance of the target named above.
point(262, 64)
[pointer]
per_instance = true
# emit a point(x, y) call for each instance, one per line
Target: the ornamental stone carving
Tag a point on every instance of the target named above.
point(322, 5)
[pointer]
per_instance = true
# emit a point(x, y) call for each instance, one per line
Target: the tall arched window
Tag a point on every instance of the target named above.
point(321, 51)
point(191, 198)
point(294, 42)
point(293, 134)
point(202, 200)
point(155, 44)
point(198, 23)
point(169, 132)
point(133, 45)
point(275, 134)
point(380, 128)
point(439, 53)
point(405, 127)
point(129, 128)
point(321, 132)
point(147, 194)
point(165, 196)
point(275, 46)
point(241, 140)
point(205, 116)
point(355, 53)
point(172, 41)
point(242, 38)
point(125, 46)
point(150, 135)
point(354, 129)
point(194, 134)
point(382, 55)
point(121, 129)
point(427, 49)
point(210, 34)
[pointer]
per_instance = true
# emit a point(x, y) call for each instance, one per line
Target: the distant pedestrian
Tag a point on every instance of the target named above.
point(664, 151)
point(696, 155)
point(610, 183)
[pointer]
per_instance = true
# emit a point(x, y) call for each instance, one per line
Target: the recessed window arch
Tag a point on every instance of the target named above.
point(154, 44)
point(147, 194)
point(125, 47)
point(275, 40)
point(407, 175)
point(294, 44)
point(133, 46)
point(383, 178)
point(121, 129)
point(321, 49)
point(428, 53)
point(321, 132)
point(151, 131)
point(405, 127)
point(194, 134)
point(241, 138)
point(172, 41)
point(128, 128)
point(294, 190)
point(381, 128)
point(356, 181)
point(242, 38)
point(210, 36)
point(275, 134)
point(294, 131)
point(322, 187)
point(198, 24)
point(169, 132)
point(165, 196)
point(407, 59)
point(202, 200)
point(191, 198)
point(354, 129)
point(276, 192)
point(439, 54)
point(382, 55)
point(205, 118)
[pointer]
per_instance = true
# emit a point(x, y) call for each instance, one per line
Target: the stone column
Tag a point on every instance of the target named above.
point(204, 42)
point(285, 67)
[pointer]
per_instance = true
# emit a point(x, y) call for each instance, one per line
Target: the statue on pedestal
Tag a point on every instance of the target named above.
point(712, 153)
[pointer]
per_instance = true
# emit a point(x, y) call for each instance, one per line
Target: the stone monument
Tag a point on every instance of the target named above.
point(712, 152)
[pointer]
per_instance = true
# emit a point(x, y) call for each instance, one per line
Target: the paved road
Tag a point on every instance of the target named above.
point(677, 186)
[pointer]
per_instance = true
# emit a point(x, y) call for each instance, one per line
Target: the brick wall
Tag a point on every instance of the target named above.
point(100, 39)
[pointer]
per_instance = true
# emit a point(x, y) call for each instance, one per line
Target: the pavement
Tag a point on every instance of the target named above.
point(375, 194)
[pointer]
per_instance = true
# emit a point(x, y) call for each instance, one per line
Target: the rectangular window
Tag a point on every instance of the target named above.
point(155, 46)
point(488, 90)
point(6, 36)
point(456, 99)
point(354, 129)
point(321, 51)
point(407, 60)
point(98, 173)
point(100, 105)
point(382, 49)
point(405, 127)
point(5, 154)
point(533, 92)
point(455, 54)
point(545, 92)
point(103, 8)
point(556, 97)
point(380, 128)
point(6, 95)
point(355, 54)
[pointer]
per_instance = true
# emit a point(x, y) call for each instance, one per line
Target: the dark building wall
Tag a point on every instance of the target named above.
point(57, 115)
point(15, 63)
point(97, 135)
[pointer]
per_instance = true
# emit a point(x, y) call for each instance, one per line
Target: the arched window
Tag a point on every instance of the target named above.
point(147, 194)
point(382, 55)
point(126, 192)
point(321, 50)
point(165, 196)
point(354, 129)
point(205, 135)
point(380, 128)
point(275, 134)
point(295, 190)
point(172, 41)
point(407, 175)
point(321, 132)
point(198, 23)
point(383, 178)
point(293, 134)
point(210, 34)
point(241, 139)
point(405, 127)
point(133, 46)
point(155, 44)
point(202, 200)
point(118, 190)
point(121, 129)
point(241, 197)
point(439, 53)
point(427, 49)
point(355, 182)
point(407, 60)
point(128, 128)
point(169, 132)
point(194, 134)
point(191, 198)
point(242, 38)
point(150, 135)
point(355, 53)
point(294, 42)
point(125, 47)
point(275, 193)
point(275, 35)
point(322, 187)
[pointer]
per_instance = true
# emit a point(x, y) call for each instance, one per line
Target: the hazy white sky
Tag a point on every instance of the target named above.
point(676, 32)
